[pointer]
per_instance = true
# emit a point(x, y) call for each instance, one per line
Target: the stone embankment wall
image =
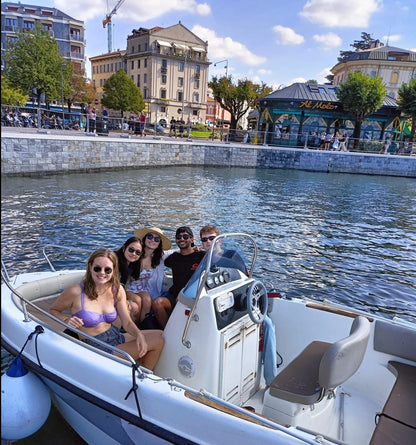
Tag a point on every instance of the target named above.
point(40, 154)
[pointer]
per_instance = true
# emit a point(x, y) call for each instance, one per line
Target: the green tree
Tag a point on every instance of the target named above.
point(361, 96)
point(120, 93)
point(365, 43)
point(239, 98)
point(33, 64)
point(11, 96)
point(407, 103)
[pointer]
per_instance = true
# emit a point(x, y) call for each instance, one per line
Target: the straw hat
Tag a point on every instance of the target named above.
point(140, 233)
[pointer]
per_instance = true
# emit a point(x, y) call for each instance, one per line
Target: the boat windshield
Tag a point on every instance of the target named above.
point(233, 252)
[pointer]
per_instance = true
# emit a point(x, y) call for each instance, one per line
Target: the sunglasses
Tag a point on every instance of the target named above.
point(107, 270)
point(185, 237)
point(150, 237)
point(137, 252)
point(208, 238)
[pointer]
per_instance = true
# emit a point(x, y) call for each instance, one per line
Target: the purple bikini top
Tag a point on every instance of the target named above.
point(92, 319)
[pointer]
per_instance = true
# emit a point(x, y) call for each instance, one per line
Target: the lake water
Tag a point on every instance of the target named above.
point(345, 238)
point(350, 239)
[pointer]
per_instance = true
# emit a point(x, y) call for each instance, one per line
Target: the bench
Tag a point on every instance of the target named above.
point(397, 421)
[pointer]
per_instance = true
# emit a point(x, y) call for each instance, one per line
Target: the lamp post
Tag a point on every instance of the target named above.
point(183, 86)
point(62, 95)
point(226, 75)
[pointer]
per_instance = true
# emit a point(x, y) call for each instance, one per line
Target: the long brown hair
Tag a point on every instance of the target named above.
point(88, 283)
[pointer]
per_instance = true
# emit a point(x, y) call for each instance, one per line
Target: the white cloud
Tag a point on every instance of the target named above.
point(322, 75)
point(263, 72)
point(131, 9)
point(286, 36)
point(328, 41)
point(297, 80)
point(226, 47)
point(351, 13)
point(393, 38)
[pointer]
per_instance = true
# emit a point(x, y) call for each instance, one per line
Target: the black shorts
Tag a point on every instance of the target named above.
point(111, 336)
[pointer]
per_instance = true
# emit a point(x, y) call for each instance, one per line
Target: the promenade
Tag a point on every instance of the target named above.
point(27, 151)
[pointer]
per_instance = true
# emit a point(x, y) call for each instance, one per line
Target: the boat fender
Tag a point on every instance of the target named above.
point(25, 402)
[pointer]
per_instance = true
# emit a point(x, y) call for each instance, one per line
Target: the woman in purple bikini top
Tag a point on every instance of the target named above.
point(91, 318)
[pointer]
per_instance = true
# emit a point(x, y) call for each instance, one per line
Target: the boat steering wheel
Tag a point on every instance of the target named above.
point(257, 302)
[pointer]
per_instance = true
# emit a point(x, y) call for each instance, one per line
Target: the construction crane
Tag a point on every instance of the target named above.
point(107, 21)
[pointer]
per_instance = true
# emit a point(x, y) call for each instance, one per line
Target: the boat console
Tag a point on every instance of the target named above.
point(216, 324)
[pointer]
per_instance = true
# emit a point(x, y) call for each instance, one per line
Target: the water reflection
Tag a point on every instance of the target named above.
point(347, 238)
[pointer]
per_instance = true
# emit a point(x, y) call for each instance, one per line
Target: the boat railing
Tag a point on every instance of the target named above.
point(27, 318)
point(68, 249)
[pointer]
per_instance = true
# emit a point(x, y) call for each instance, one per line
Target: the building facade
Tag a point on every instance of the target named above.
point(104, 66)
point(215, 114)
point(68, 32)
point(394, 65)
point(169, 65)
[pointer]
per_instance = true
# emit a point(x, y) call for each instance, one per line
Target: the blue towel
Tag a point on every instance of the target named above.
point(269, 357)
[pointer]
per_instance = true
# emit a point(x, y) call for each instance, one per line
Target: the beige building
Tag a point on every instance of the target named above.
point(169, 65)
point(104, 66)
point(394, 65)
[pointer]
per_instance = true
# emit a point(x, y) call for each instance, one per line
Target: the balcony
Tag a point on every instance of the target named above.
point(164, 70)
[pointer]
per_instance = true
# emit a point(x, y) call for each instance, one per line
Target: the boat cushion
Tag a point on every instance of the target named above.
point(401, 404)
point(344, 357)
point(397, 422)
point(298, 382)
point(395, 339)
point(390, 432)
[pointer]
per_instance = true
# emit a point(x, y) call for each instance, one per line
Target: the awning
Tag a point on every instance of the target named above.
point(198, 49)
point(178, 45)
point(163, 43)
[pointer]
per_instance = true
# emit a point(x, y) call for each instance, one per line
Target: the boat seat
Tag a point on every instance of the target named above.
point(321, 367)
point(397, 421)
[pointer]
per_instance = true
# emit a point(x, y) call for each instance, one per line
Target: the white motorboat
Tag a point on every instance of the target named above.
point(344, 376)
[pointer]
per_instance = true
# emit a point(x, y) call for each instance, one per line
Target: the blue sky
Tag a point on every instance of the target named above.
point(274, 41)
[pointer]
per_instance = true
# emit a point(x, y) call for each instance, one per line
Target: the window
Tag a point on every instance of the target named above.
point(196, 83)
point(180, 81)
point(138, 63)
point(164, 78)
point(145, 63)
point(196, 97)
point(132, 47)
point(138, 80)
point(373, 74)
point(144, 78)
point(28, 25)
point(394, 77)
point(11, 24)
point(181, 66)
point(132, 64)
point(180, 96)
point(163, 93)
point(164, 63)
point(163, 109)
point(198, 69)
point(139, 48)
point(145, 93)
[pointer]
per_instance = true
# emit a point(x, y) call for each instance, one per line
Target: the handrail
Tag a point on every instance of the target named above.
point(204, 275)
point(52, 317)
point(58, 246)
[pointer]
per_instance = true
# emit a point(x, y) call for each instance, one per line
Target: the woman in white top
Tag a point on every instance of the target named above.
point(156, 247)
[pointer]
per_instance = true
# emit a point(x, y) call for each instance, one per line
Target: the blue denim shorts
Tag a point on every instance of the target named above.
point(112, 336)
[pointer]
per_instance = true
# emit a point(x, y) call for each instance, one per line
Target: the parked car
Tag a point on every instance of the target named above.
point(150, 129)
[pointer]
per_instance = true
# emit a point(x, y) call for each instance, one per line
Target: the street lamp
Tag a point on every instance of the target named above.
point(62, 95)
point(226, 75)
